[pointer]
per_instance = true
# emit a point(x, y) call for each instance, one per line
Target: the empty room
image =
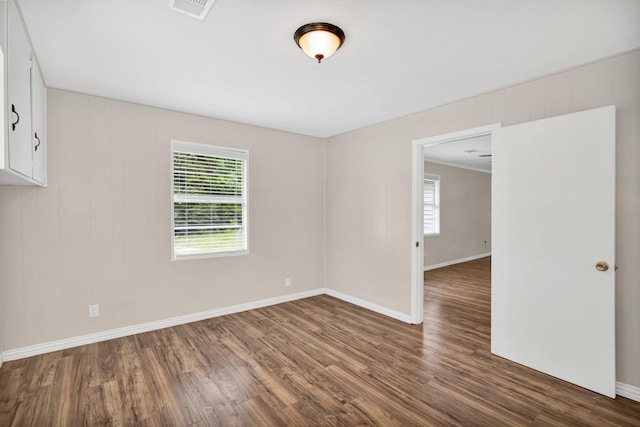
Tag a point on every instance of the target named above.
point(299, 213)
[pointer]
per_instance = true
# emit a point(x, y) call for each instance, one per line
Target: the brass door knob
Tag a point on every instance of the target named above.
point(602, 266)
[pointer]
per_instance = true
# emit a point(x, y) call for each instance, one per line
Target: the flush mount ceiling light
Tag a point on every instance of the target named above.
point(319, 40)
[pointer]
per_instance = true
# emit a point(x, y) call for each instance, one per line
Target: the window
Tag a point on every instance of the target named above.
point(209, 206)
point(431, 204)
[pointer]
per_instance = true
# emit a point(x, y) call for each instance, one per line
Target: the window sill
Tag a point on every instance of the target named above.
point(208, 255)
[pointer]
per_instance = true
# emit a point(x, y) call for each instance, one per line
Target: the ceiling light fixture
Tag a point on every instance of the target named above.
point(319, 40)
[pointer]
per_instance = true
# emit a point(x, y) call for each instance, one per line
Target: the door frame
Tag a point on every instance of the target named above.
point(417, 209)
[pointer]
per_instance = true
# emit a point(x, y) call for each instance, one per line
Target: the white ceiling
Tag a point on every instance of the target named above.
point(468, 153)
point(241, 63)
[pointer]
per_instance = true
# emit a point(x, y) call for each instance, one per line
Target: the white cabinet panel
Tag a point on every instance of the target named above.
point(19, 95)
point(39, 125)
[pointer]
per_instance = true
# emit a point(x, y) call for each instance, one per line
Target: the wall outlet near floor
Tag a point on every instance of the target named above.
point(94, 310)
point(287, 282)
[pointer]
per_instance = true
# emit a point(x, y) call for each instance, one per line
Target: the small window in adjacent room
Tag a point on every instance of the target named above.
point(209, 206)
point(431, 204)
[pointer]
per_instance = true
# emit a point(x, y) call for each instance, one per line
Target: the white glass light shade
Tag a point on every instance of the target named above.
point(319, 40)
point(319, 44)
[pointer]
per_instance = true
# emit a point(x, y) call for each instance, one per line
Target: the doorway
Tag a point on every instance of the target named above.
point(457, 210)
point(418, 173)
point(552, 288)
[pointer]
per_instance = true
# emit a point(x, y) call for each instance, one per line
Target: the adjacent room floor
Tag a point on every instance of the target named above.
point(317, 361)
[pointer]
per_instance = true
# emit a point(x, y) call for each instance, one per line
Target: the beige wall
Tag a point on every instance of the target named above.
point(368, 187)
point(465, 215)
point(100, 233)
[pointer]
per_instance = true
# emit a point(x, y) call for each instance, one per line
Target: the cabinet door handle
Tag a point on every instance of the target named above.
point(13, 110)
point(38, 144)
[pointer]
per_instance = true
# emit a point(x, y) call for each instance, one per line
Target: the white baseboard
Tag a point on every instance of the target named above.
point(455, 261)
point(369, 306)
point(628, 391)
point(34, 350)
point(63, 344)
point(622, 389)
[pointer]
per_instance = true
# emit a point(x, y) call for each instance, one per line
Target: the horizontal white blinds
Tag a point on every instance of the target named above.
point(209, 200)
point(431, 204)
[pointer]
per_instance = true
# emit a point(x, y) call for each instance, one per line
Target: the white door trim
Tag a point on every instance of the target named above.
point(417, 260)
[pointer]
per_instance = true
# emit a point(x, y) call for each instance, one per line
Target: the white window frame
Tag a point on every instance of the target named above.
point(436, 204)
point(215, 151)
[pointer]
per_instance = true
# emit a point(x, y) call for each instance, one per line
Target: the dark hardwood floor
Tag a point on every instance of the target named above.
point(317, 361)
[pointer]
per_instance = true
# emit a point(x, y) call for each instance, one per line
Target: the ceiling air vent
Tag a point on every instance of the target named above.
point(196, 8)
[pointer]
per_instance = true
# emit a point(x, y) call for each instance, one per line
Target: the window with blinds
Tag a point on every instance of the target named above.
point(431, 204)
point(209, 206)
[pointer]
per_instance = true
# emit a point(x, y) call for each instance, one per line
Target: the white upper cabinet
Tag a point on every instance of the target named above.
point(24, 148)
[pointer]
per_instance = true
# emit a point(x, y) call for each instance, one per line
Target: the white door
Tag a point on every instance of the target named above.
point(553, 221)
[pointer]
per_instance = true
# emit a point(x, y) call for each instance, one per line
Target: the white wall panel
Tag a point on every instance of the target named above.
point(100, 232)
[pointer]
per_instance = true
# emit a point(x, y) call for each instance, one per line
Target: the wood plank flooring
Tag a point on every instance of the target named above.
point(312, 362)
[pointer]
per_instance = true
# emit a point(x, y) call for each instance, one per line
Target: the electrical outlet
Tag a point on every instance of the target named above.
point(287, 282)
point(94, 310)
